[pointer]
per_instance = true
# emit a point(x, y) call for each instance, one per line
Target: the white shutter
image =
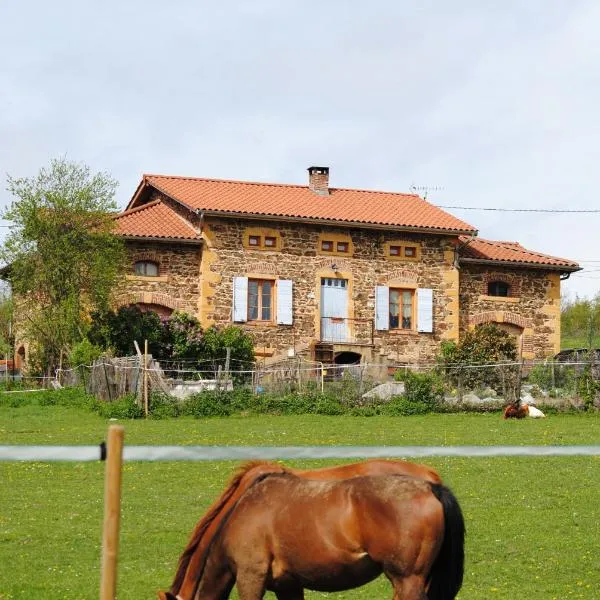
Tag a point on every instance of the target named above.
point(284, 302)
point(382, 308)
point(240, 299)
point(425, 310)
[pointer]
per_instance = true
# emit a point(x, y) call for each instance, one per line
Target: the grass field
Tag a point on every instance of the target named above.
point(533, 527)
point(568, 341)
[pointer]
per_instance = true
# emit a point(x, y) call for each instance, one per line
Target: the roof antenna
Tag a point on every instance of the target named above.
point(425, 189)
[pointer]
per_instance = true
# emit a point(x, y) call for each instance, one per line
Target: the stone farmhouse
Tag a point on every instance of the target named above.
point(338, 275)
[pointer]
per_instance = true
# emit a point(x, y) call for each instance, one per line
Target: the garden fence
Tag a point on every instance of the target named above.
point(556, 383)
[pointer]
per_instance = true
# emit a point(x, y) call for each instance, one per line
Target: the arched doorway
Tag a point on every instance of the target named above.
point(515, 331)
point(347, 358)
point(20, 358)
point(164, 312)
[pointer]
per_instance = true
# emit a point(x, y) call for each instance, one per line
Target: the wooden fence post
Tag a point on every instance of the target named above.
point(146, 378)
point(112, 512)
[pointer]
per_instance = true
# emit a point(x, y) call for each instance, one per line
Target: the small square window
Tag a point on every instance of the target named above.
point(394, 250)
point(270, 242)
point(254, 240)
point(327, 246)
point(342, 246)
point(410, 251)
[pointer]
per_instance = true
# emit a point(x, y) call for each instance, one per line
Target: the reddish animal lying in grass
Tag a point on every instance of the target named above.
point(190, 562)
point(288, 533)
point(516, 411)
point(520, 411)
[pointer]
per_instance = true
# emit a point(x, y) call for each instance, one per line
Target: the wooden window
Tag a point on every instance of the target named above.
point(402, 305)
point(498, 288)
point(254, 240)
point(260, 300)
point(270, 242)
point(146, 268)
point(403, 251)
point(342, 246)
point(327, 245)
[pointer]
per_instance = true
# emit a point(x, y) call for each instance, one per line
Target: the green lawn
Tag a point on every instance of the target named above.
point(533, 527)
point(567, 341)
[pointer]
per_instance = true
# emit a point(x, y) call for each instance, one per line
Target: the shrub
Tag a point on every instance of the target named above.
point(401, 406)
point(214, 348)
point(68, 396)
point(486, 344)
point(163, 406)
point(207, 404)
point(422, 388)
point(84, 353)
point(326, 405)
point(123, 408)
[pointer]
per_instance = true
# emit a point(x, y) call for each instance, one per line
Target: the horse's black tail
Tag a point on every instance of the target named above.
point(446, 577)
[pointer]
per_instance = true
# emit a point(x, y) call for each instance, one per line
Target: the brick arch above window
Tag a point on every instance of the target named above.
point(499, 316)
point(151, 255)
point(513, 282)
point(150, 298)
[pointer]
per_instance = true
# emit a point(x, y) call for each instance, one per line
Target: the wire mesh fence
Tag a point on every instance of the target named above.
point(551, 383)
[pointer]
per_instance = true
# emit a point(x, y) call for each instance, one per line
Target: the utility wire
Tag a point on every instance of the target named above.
point(531, 210)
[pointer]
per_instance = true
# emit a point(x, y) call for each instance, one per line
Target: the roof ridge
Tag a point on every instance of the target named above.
point(518, 248)
point(285, 185)
point(534, 252)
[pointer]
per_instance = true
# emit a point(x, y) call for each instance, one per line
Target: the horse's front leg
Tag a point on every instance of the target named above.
point(251, 583)
point(408, 588)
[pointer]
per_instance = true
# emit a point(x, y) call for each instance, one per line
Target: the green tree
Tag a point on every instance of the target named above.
point(6, 325)
point(580, 322)
point(63, 257)
point(117, 331)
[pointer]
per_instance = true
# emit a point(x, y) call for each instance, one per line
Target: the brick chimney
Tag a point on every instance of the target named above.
point(318, 180)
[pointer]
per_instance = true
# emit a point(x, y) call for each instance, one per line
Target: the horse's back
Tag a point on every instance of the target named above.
point(376, 466)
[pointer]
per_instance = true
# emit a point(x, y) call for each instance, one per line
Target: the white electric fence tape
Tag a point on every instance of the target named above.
point(207, 453)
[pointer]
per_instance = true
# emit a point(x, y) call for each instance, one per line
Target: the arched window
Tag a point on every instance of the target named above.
point(146, 268)
point(498, 288)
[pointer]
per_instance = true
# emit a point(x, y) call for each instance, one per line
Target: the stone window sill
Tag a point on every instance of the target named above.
point(404, 332)
point(260, 323)
point(159, 279)
point(509, 299)
point(264, 352)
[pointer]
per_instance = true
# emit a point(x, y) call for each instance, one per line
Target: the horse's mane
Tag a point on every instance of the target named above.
point(215, 510)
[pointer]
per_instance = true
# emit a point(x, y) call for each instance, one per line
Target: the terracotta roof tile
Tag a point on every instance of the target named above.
point(154, 219)
point(296, 201)
point(510, 252)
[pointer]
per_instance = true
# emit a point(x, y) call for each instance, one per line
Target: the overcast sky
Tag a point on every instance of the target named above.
point(489, 104)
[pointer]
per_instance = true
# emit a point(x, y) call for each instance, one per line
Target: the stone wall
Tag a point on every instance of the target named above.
point(199, 281)
point(177, 286)
point(532, 308)
point(299, 260)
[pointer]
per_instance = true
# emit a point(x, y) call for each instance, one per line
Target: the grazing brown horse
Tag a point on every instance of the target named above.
point(287, 534)
point(190, 562)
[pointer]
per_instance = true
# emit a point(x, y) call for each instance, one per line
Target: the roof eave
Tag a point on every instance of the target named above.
point(166, 240)
point(527, 265)
point(335, 222)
